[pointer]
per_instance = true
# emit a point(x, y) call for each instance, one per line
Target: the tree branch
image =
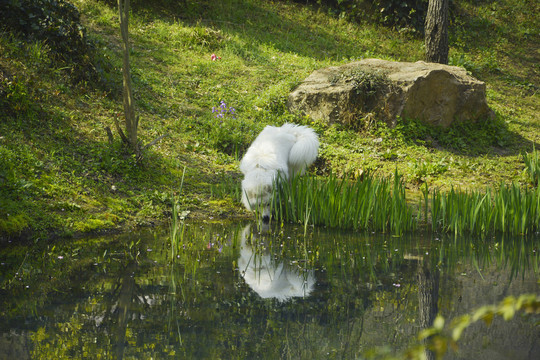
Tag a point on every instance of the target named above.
point(109, 134)
point(153, 142)
point(119, 129)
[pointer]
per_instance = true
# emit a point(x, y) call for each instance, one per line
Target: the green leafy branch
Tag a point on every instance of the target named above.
point(438, 339)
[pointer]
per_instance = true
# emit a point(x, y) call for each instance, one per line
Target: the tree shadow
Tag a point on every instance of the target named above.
point(471, 139)
point(254, 25)
point(511, 31)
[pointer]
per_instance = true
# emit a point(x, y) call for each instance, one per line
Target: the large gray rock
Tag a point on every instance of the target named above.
point(374, 89)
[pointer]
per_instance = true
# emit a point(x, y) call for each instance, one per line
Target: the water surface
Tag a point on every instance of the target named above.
point(235, 292)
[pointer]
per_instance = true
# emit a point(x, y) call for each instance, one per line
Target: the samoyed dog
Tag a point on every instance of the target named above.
point(284, 151)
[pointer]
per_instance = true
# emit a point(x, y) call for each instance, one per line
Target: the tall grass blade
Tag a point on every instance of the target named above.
point(368, 204)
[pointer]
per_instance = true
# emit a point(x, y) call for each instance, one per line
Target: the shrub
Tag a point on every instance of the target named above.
point(399, 13)
point(410, 13)
point(55, 21)
point(57, 25)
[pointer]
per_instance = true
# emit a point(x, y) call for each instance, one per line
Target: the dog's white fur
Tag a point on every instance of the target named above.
point(285, 150)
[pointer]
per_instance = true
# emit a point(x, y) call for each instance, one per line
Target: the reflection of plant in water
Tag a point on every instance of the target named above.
point(177, 223)
point(387, 260)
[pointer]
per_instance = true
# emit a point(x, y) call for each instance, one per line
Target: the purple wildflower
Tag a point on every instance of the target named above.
point(223, 111)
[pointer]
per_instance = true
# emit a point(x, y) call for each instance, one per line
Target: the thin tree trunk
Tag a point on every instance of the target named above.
point(436, 32)
point(132, 122)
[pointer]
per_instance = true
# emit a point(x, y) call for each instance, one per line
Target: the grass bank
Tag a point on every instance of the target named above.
point(59, 173)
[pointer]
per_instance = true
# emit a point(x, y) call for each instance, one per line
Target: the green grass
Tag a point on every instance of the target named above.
point(60, 175)
point(507, 209)
point(532, 166)
point(380, 205)
point(367, 204)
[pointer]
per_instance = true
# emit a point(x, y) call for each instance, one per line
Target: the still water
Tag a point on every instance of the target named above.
point(234, 292)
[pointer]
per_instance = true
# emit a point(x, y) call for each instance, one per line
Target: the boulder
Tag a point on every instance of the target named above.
point(374, 89)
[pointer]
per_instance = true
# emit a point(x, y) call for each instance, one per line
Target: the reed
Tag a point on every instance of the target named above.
point(507, 210)
point(368, 204)
point(379, 204)
point(532, 165)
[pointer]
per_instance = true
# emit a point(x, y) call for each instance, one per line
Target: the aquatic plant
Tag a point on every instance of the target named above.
point(532, 165)
point(507, 210)
point(369, 203)
point(440, 338)
point(380, 204)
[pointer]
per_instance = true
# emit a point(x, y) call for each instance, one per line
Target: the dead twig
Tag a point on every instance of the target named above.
point(109, 134)
point(119, 129)
point(153, 142)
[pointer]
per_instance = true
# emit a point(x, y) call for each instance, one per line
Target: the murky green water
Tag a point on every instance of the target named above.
point(231, 292)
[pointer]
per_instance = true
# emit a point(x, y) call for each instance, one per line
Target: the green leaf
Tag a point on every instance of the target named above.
point(424, 334)
point(438, 323)
point(482, 312)
point(460, 325)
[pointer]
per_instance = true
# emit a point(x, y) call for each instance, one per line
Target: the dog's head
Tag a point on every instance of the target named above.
point(258, 192)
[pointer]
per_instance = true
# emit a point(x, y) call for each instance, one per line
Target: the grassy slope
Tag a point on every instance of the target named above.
point(62, 175)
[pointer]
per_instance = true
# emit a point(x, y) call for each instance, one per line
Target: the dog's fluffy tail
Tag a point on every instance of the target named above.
point(304, 151)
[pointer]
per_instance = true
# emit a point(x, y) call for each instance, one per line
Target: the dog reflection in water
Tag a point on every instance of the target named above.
point(267, 276)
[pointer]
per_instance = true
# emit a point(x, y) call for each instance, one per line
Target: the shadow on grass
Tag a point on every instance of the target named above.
point(255, 25)
point(483, 137)
point(53, 175)
point(505, 41)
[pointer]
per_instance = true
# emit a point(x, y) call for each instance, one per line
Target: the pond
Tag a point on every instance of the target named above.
point(233, 291)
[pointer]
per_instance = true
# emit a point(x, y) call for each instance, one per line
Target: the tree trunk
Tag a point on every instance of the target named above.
point(436, 32)
point(132, 122)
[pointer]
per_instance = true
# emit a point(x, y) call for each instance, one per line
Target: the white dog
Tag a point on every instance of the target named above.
point(285, 150)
